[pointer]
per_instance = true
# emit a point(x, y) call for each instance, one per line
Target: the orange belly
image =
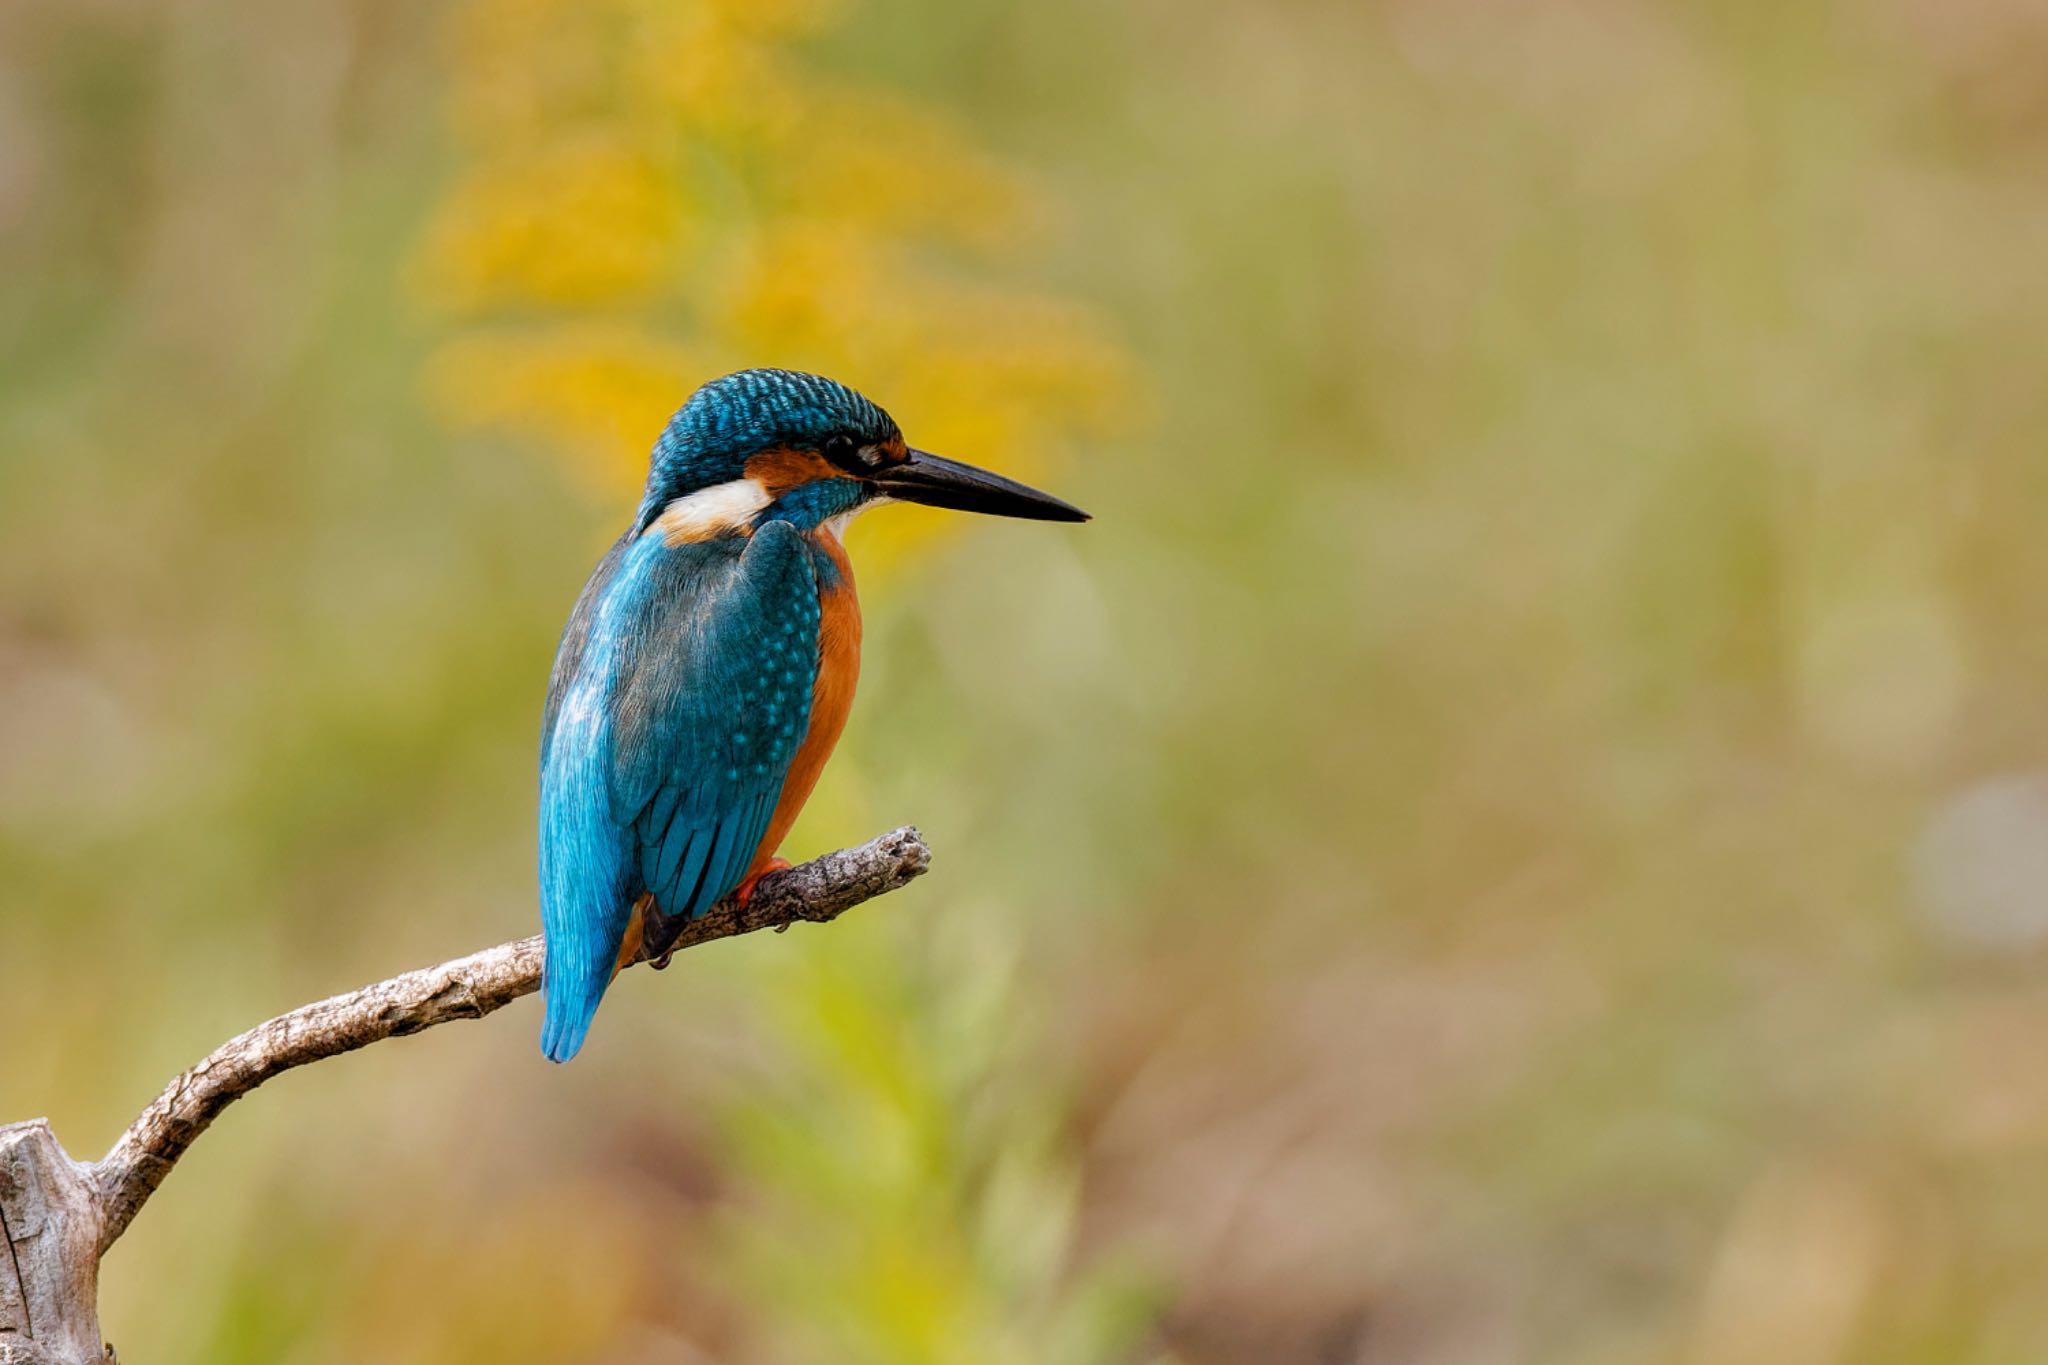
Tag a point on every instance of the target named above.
point(831, 699)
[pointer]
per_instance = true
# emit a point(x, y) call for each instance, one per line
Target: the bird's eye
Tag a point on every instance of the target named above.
point(844, 454)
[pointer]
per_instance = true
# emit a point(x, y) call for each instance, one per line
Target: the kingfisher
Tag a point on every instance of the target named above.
point(708, 666)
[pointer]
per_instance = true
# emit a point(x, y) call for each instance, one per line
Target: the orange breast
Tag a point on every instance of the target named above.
point(831, 697)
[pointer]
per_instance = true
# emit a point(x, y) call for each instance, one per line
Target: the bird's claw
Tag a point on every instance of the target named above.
point(745, 891)
point(742, 894)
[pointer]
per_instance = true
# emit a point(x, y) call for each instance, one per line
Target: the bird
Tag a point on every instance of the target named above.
point(709, 664)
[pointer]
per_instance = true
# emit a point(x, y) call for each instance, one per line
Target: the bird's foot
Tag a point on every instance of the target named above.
point(745, 890)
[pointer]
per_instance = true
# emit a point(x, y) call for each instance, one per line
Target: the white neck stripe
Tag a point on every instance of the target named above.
point(713, 511)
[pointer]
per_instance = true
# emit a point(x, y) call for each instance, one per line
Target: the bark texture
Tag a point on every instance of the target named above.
point(49, 1276)
point(61, 1216)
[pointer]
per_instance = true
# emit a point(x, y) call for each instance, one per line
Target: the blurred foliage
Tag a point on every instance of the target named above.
point(1513, 837)
point(917, 1202)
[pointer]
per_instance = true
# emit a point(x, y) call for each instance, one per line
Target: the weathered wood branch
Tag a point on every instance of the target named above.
point(59, 1217)
point(49, 1276)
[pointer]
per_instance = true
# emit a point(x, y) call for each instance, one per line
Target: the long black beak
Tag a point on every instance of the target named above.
point(939, 482)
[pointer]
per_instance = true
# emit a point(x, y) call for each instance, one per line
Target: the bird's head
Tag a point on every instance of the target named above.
point(776, 444)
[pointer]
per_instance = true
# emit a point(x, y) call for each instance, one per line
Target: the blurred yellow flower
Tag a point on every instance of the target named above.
point(878, 162)
point(655, 193)
point(591, 390)
point(576, 225)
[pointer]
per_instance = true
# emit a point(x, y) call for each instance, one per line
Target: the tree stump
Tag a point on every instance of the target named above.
point(49, 1279)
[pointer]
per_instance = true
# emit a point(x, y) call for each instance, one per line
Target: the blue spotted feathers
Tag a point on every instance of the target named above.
point(681, 694)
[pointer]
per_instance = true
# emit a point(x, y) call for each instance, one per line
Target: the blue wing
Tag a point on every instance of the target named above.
point(681, 693)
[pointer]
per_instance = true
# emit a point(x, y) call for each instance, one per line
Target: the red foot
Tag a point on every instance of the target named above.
point(745, 891)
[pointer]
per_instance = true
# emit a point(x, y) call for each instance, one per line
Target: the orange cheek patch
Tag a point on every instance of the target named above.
point(782, 469)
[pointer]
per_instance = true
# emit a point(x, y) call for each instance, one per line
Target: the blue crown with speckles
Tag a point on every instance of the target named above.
point(726, 421)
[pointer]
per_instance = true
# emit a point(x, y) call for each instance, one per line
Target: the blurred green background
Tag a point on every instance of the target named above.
point(1520, 834)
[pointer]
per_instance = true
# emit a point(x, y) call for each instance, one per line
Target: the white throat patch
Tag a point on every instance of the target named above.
point(711, 512)
point(837, 525)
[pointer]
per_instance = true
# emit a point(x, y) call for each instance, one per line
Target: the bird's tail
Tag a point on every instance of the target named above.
point(587, 895)
point(572, 994)
point(572, 1004)
point(575, 973)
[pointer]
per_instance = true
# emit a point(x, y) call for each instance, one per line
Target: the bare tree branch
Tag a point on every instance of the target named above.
point(466, 988)
point(59, 1216)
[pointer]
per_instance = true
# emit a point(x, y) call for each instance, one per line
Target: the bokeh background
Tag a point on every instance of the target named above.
point(1520, 833)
